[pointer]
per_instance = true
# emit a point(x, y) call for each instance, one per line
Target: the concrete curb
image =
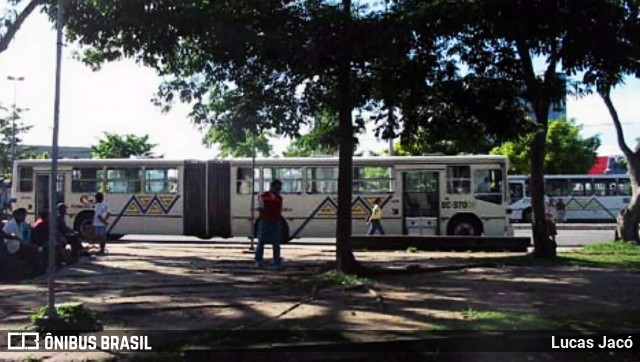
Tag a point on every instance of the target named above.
point(611, 227)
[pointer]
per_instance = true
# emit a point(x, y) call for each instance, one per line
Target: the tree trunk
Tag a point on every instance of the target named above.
point(627, 225)
point(345, 260)
point(543, 246)
point(630, 215)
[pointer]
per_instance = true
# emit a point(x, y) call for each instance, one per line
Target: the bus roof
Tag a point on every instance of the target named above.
point(293, 161)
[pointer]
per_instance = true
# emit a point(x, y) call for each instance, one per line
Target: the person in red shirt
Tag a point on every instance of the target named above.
point(270, 223)
point(40, 237)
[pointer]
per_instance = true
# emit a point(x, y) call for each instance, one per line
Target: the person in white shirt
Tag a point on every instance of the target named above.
point(18, 241)
point(101, 220)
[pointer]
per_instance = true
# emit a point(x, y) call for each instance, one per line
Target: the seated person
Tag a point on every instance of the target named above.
point(68, 234)
point(20, 241)
point(9, 245)
point(41, 238)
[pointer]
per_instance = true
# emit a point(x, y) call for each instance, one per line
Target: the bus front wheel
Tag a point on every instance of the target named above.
point(464, 226)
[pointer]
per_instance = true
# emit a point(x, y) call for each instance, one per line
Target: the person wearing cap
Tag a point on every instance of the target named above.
point(69, 235)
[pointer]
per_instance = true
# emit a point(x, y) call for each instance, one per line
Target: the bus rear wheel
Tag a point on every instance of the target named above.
point(465, 226)
point(84, 225)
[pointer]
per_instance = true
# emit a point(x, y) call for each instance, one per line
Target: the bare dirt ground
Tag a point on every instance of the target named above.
point(165, 286)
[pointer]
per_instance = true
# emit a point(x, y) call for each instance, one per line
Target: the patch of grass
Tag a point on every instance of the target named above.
point(412, 249)
point(488, 320)
point(336, 278)
point(73, 314)
point(505, 320)
point(612, 248)
point(613, 255)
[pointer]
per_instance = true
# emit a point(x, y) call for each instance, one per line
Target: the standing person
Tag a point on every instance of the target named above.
point(374, 219)
point(562, 215)
point(551, 227)
point(101, 221)
point(551, 207)
point(270, 221)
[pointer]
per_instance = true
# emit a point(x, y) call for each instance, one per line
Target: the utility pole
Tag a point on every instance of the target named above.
point(253, 183)
point(52, 314)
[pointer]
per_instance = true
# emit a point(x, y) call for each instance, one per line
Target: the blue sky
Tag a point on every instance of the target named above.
point(117, 99)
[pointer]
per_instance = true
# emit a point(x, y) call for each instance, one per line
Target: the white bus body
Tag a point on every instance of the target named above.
point(437, 195)
point(586, 197)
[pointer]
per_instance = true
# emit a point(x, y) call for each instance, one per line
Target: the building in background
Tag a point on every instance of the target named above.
point(609, 165)
point(64, 152)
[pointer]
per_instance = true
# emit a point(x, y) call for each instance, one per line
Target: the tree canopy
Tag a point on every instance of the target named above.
point(323, 137)
point(11, 130)
point(443, 70)
point(567, 151)
point(123, 146)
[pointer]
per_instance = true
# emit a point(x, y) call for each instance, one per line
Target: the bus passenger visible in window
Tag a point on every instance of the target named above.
point(374, 220)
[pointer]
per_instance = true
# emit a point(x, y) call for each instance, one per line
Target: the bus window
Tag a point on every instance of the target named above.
point(161, 181)
point(124, 181)
point(612, 188)
point(243, 180)
point(458, 180)
point(291, 179)
point(557, 187)
point(373, 180)
point(25, 183)
point(624, 187)
point(603, 187)
point(581, 188)
point(488, 185)
point(516, 191)
point(87, 179)
point(322, 180)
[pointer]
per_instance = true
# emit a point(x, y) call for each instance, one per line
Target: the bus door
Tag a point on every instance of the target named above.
point(421, 202)
point(42, 191)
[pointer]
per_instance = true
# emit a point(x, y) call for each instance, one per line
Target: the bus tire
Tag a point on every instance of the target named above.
point(467, 225)
point(84, 224)
point(527, 215)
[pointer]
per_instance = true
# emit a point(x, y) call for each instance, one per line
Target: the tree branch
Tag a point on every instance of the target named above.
point(15, 26)
point(606, 97)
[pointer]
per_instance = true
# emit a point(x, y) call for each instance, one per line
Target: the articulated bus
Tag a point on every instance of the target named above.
point(420, 195)
point(586, 197)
